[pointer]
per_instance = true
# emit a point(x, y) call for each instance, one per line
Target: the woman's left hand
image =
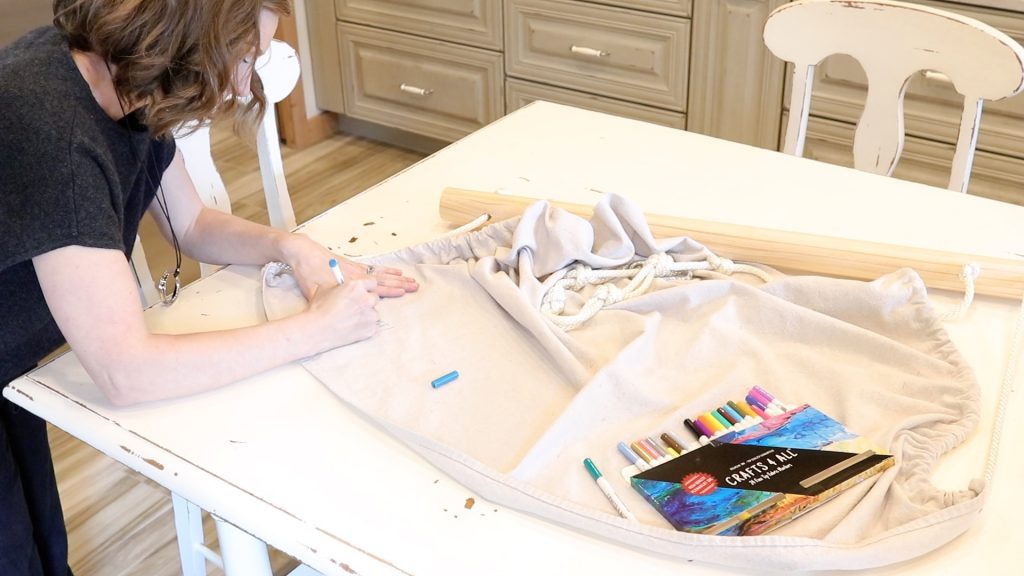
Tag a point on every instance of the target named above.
point(310, 263)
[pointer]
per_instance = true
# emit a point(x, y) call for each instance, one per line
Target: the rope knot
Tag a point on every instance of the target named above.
point(608, 294)
point(577, 278)
point(970, 271)
point(661, 264)
point(723, 265)
point(554, 300)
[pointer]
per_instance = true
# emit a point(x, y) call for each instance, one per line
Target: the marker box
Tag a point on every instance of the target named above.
point(751, 481)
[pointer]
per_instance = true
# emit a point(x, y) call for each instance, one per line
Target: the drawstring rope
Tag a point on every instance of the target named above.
point(968, 274)
point(1007, 387)
point(641, 275)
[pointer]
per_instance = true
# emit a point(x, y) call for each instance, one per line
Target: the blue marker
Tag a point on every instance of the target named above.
point(632, 457)
point(732, 413)
point(445, 379)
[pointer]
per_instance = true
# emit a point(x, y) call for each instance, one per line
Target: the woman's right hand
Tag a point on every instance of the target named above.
point(345, 313)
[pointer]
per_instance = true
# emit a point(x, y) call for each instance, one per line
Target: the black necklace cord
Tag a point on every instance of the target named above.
point(161, 201)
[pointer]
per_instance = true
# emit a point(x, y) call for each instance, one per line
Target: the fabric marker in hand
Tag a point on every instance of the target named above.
point(337, 271)
point(606, 488)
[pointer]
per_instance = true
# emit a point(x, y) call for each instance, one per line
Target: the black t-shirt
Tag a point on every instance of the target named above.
point(69, 175)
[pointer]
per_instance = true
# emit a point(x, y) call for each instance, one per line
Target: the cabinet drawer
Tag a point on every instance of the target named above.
point(423, 86)
point(993, 175)
point(519, 93)
point(602, 50)
point(932, 107)
point(674, 7)
point(473, 22)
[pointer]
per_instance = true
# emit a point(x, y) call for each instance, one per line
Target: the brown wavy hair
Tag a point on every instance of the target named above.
point(176, 59)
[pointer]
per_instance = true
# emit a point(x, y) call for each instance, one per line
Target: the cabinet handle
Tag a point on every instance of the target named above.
point(937, 77)
point(594, 52)
point(409, 88)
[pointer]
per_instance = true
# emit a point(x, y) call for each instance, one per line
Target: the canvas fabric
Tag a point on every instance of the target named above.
point(532, 400)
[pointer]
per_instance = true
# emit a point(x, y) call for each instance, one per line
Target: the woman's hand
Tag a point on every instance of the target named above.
point(310, 264)
point(390, 281)
point(344, 314)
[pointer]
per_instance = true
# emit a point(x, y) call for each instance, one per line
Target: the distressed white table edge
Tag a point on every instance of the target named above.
point(278, 456)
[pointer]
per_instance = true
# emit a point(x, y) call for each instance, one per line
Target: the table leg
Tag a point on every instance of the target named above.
point(188, 522)
point(243, 554)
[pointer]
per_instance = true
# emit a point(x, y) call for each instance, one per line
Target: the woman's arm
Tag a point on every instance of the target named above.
point(92, 295)
point(214, 237)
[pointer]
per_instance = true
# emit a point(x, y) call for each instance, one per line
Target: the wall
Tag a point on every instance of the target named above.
point(20, 16)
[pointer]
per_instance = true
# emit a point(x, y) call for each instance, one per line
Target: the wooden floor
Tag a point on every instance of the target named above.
point(120, 523)
point(318, 177)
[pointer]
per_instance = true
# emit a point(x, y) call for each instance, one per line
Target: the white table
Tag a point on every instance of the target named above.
point(279, 457)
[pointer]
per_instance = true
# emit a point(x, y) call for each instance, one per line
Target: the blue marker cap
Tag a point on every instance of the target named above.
point(445, 379)
point(594, 472)
point(628, 453)
point(725, 414)
point(732, 412)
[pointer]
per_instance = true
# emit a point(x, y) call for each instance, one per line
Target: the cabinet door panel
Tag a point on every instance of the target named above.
point(323, 56)
point(735, 81)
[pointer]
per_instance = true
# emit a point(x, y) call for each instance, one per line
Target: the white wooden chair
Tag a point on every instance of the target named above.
point(278, 69)
point(892, 41)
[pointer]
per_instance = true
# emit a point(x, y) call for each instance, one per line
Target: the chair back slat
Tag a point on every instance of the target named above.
point(893, 41)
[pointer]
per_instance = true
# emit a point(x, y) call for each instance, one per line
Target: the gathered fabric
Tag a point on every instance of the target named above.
point(571, 335)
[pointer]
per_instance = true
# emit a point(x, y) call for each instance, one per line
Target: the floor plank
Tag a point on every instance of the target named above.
point(119, 522)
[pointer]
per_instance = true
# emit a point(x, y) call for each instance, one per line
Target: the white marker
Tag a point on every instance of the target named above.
point(337, 271)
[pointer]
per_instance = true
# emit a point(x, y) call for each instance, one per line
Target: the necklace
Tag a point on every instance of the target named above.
point(161, 201)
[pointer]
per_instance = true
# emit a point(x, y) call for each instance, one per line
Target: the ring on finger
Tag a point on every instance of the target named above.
point(370, 269)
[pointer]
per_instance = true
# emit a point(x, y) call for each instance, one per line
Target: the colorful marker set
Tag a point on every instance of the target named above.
point(646, 453)
point(756, 407)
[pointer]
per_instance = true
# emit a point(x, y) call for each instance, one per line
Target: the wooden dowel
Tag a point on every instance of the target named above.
point(787, 251)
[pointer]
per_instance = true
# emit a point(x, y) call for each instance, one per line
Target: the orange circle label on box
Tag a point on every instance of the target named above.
point(699, 483)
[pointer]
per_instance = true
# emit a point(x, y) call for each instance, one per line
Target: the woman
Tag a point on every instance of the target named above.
point(88, 108)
